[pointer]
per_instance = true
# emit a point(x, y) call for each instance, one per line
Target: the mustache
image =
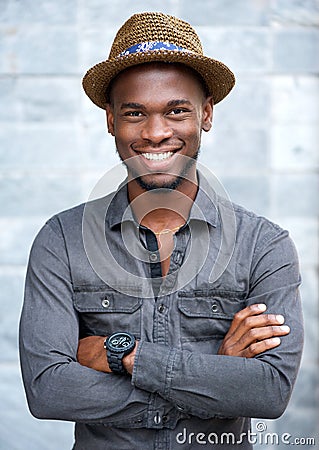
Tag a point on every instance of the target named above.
point(149, 146)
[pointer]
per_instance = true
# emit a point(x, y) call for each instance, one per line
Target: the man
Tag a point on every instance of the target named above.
point(160, 316)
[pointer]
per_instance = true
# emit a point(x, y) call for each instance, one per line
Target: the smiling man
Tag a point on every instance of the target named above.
point(124, 328)
point(165, 123)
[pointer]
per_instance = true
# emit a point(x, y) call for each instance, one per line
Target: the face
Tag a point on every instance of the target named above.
point(157, 114)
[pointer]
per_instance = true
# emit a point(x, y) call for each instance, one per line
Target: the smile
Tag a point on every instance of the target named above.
point(157, 156)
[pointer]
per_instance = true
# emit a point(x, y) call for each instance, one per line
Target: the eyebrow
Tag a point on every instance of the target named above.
point(132, 105)
point(176, 102)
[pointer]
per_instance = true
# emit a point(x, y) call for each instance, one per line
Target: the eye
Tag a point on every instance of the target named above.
point(176, 111)
point(133, 114)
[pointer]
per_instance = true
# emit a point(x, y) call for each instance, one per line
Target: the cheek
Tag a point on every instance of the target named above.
point(193, 134)
point(123, 136)
point(122, 147)
point(193, 128)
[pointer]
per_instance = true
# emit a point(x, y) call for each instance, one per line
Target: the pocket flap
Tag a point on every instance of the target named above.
point(212, 307)
point(106, 301)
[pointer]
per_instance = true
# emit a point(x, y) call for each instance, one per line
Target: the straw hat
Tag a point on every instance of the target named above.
point(151, 36)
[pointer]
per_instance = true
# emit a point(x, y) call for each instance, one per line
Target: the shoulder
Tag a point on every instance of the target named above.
point(66, 224)
point(72, 219)
point(246, 219)
point(254, 229)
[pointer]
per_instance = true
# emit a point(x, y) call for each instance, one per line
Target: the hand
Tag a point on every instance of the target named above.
point(252, 332)
point(91, 353)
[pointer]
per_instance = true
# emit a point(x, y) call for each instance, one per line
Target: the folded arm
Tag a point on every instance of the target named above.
point(257, 384)
point(249, 335)
point(257, 363)
point(225, 385)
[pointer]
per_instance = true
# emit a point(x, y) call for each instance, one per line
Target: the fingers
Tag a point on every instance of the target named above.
point(242, 315)
point(258, 340)
point(252, 317)
point(249, 327)
point(252, 332)
point(260, 347)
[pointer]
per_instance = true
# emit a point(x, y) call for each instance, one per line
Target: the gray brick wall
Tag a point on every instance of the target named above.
point(53, 148)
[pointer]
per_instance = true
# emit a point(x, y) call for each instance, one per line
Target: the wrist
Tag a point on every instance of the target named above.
point(128, 360)
point(119, 345)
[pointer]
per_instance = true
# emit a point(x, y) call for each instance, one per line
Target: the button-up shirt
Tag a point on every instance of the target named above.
point(93, 270)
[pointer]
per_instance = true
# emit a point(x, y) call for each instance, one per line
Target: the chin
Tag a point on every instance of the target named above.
point(148, 184)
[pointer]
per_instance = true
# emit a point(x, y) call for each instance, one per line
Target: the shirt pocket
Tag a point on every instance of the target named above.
point(106, 311)
point(206, 318)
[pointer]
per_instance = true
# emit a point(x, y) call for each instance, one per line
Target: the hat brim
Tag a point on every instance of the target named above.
point(217, 76)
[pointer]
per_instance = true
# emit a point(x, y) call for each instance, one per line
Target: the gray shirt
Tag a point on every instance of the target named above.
point(90, 274)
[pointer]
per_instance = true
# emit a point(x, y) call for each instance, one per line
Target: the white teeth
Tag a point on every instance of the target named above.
point(157, 156)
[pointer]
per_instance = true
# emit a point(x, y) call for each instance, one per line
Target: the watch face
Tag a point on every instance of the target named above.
point(121, 341)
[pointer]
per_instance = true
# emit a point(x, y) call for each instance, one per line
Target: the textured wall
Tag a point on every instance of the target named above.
point(53, 147)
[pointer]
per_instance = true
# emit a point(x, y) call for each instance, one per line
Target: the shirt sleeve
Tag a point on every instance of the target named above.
point(209, 386)
point(57, 386)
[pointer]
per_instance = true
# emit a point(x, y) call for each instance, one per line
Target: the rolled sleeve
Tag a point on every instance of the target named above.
point(153, 367)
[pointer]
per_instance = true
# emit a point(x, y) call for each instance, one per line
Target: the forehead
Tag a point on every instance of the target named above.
point(156, 77)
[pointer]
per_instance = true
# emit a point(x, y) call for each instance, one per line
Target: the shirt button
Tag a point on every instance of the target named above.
point(214, 307)
point(161, 308)
point(165, 419)
point(157, 419)
point(139, 420)
point(105, 302)
point(180, 408)
point(153, 257)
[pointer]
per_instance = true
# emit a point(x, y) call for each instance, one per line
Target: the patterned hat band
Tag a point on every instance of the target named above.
point(149, 46)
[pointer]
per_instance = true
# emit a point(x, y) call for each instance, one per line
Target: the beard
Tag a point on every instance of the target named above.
point(172, 184)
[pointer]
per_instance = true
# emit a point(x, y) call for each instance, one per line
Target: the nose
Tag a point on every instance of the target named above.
point(156, 129)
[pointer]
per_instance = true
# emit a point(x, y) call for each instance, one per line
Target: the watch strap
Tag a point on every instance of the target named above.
point(115, 362)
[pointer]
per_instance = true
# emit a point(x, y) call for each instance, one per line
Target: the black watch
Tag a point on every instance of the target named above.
point(118, 345)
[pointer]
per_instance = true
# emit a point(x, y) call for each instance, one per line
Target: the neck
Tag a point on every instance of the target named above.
point(162, 209)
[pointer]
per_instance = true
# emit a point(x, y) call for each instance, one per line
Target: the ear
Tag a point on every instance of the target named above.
point(110, 119)
point(207, 118)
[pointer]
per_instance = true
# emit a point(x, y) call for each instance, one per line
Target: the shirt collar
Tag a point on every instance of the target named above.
point(205, 206)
